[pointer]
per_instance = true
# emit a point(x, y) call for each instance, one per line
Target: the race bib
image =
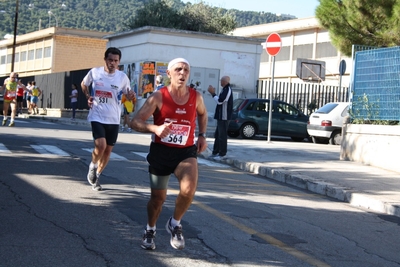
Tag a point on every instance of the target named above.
point(11, 94)
point(178, 136)
point(102, 97)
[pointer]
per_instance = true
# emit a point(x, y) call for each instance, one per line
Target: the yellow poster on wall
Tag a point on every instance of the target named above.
point(147, 78)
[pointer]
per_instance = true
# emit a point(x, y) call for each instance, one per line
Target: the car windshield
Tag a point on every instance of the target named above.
point(327, 108)
point(237, 103)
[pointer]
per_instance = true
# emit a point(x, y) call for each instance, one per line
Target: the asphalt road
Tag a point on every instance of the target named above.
point(49, 216)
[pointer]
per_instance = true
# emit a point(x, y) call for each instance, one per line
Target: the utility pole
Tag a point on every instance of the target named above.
point(15, 35)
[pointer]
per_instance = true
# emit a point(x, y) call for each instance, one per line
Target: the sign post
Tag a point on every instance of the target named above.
point(273, 46)
point(342, 71)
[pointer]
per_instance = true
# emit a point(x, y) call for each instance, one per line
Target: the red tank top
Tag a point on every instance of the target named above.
point(182, 116)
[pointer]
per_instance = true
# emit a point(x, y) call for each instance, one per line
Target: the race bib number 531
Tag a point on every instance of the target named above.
point(103, 97)
point(178, 136)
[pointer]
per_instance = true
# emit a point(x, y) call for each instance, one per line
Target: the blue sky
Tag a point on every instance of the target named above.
point(298, 8)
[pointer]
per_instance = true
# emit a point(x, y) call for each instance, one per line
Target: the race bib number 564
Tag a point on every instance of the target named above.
point(178, 136)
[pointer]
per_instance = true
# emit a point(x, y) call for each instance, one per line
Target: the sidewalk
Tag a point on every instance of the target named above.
point(309, 166)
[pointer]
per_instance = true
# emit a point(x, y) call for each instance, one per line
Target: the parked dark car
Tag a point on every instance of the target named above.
point(250, 118)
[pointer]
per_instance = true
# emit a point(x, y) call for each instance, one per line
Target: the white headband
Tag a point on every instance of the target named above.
point(177, 60)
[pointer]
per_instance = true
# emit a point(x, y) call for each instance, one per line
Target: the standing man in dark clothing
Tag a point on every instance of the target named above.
point(223, 114)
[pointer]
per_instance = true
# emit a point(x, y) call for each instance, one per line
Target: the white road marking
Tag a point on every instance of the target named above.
point(37, 121)
point(47, 149)
point(21, 121)
point(143, 155)
point(3, 149)
point(46, 122)
point(113, 156)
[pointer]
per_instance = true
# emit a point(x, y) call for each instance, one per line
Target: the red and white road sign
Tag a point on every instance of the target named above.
point(273, 44)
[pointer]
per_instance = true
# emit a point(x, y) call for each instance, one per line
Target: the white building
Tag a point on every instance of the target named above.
point(149, 49)
point(301, 39)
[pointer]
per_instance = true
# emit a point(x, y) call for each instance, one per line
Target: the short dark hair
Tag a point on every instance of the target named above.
point(114, 51)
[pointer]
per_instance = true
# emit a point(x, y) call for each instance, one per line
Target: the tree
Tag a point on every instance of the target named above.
point(361, 22)
point(197, 17)
point(203, 18)
point(155, 13)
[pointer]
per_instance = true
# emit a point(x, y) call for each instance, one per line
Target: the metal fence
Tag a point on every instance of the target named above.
point(56, 88)
point(307, 97)
point(376, 85)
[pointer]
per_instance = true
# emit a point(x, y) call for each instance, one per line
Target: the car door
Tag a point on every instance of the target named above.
point(257, 112)
point(291, 121)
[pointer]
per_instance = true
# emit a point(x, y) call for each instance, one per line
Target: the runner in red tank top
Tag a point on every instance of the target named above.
point(173, 148)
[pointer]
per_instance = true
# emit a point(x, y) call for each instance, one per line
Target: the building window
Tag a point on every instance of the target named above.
point(9, 57)
point(16, 59)
point(23, 56)
point(326, 50)
point(3, 60)
point(39, 53)
point(284, 54)
point(31, 54)
point(47, 51)
point(302, 51)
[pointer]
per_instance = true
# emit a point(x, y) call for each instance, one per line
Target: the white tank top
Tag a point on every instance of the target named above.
point(107, 92)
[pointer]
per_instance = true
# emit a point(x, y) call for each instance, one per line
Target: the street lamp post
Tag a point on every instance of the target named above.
point(15, 35)
point(51, 13)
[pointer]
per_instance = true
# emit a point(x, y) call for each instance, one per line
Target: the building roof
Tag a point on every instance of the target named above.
point(262, 30)
point(181, 32)
point(53, 31)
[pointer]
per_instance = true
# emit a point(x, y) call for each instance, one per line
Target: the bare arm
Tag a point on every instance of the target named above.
point(85, 90)
point(139, 121)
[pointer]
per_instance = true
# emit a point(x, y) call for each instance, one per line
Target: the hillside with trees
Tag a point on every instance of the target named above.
point(106, 15)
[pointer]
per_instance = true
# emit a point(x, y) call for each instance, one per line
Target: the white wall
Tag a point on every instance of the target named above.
point(237, 57)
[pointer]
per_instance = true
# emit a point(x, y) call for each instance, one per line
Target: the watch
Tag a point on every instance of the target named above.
point(202, 134)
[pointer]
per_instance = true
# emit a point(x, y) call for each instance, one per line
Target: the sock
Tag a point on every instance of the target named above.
point(148, 228)
point(4, 118)
point(93, 165)
point(175, 222)
point(12, 120)
point(98, 175)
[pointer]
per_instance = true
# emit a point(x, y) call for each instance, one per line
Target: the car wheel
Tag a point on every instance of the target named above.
point(336, 138)
point(248, 131)
point(233, 134)
point(317, 140)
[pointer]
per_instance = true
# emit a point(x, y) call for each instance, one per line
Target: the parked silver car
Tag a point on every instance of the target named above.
point(325, 124)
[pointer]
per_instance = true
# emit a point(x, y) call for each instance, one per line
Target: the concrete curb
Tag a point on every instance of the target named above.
point(348, 195)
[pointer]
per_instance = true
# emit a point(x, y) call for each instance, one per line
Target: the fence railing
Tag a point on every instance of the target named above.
point(307, 97)
point(376, 85)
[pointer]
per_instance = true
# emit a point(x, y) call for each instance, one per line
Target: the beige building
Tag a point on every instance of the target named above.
point(53, 50)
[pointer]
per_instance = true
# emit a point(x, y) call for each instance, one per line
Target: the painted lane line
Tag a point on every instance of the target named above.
point(113, 156)
point(4, 150)
point(47, 149)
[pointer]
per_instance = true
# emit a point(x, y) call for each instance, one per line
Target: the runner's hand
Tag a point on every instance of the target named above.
point(90, 101)
point(163, 131)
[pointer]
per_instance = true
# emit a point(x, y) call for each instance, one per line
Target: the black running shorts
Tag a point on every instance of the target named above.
point(107, 131)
